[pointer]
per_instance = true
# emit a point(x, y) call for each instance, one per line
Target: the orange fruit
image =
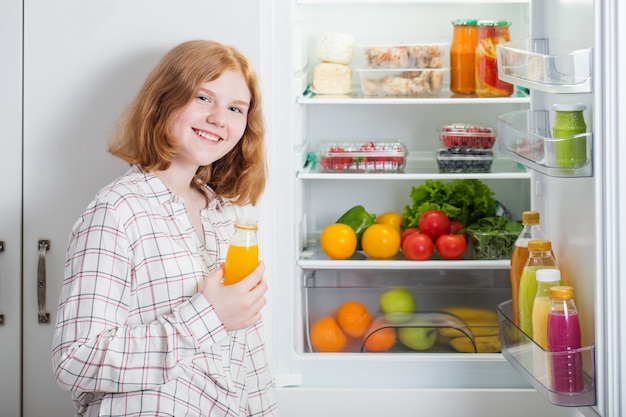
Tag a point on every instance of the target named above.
point(327, 336)
point(380, 241)
point(392, 219)
point(353, 318)
point(338, 241)
point(379, 336)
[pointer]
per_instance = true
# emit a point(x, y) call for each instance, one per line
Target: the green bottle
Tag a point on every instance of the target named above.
point(569, 152)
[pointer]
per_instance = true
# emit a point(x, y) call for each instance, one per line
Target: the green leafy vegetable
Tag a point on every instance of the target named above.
point(494, 237)
point(463, 200)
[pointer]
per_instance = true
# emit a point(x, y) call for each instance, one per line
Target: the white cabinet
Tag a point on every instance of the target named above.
point(82, 64)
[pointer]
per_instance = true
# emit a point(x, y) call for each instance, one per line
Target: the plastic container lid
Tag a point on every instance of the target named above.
point(569, 107)
point(548, 275)
point(465, 22)
point(494, 23)
point(530, 217)
point(539, 245)
point(562, 292)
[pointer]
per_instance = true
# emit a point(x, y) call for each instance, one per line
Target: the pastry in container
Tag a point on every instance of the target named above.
point(408, 83)
point(464, 160)
point(427, 55)
point(459, 135)
point(331, 78)
point(335, 47)
point(362, 157)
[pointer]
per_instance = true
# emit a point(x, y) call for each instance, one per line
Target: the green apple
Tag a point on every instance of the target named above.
point(417, 338)
point(397, 300)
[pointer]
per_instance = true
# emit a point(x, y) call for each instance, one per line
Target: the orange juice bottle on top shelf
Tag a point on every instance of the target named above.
point(531, 231)
point(243, 253)
point(462, 55)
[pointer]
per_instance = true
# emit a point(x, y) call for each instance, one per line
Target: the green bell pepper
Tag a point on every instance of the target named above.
point(358, 219)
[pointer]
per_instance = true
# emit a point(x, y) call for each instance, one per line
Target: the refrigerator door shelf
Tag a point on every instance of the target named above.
point(532, 362)
point(528, 63)
point(525, 136)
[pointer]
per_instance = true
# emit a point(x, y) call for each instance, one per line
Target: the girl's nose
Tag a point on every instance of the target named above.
point(217, 116)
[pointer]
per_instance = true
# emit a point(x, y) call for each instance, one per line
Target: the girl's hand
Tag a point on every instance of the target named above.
point(239, 305)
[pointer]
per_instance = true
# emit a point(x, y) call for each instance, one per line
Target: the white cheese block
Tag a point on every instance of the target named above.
point(330, 78)
point(335, 47)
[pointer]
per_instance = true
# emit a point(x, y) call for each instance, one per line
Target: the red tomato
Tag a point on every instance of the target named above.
point(455, 227)
point(408, 232)
point(418, 247)
point(451, 246)
point(434, 223)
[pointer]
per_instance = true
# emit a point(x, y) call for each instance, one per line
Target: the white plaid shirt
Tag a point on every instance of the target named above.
point(133, 335)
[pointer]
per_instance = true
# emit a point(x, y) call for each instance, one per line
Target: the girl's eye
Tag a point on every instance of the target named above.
point(236, 109)
point(205, 98)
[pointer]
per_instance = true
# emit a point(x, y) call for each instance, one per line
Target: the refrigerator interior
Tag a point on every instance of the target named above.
point(313, 285)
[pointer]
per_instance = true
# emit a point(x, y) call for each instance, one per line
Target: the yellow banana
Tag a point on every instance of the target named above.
point(481, 322)
point(468, 314)
point(484, 344)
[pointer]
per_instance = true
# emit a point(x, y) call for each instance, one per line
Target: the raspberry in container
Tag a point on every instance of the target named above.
point(464, 160)
point(362, 157)
point(459, 135)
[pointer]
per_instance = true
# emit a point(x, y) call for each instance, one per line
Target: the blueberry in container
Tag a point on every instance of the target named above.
point(459, 159)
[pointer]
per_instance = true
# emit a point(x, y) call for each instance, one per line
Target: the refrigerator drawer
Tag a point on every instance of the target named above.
point(449, 311)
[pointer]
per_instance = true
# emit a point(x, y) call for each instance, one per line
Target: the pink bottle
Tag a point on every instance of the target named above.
point(564, 336)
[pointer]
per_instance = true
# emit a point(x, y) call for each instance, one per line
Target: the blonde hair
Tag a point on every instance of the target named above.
point(142, 135)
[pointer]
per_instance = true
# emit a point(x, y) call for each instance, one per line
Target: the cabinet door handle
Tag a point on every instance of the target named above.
point(44, 317)
point(1, 250)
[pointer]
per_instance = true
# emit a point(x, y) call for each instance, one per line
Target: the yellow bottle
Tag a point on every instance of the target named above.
point(546, 278)
point(243, 253)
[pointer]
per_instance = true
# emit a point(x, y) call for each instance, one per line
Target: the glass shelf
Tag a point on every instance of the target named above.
point(314, 258)
point(532, 362)
point(422, 166)
point(445, 97)
point(530, 63)
point(524, 136)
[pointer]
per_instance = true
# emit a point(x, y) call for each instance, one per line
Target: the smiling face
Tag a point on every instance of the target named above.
point(212, 123)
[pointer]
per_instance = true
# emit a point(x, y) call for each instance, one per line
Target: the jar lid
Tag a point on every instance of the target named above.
point(530, 217)
point(494, 23)
point(465, 22)
point(548, 275)
point(539, 245)
point(562, 292)
point(569, 107)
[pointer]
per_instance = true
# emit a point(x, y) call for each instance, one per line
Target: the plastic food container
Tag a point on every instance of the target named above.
point(464, 160)
point(492, 245)
point(425, 55)
point(467, 135)
point(362, 157)
point(408, 83)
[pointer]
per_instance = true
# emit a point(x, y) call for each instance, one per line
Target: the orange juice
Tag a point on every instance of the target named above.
point(243, 253)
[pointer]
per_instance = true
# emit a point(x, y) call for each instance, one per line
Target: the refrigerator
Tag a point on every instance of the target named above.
point(578, 42)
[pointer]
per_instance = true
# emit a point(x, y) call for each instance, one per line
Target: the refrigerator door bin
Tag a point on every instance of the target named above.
point(525, 136)
point(449, 305)
point(533, 362)
point(530, 63)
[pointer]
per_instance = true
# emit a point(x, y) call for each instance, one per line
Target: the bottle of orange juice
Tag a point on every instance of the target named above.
point(243, 253)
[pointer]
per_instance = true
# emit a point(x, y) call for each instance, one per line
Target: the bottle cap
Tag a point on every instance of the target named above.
point(246, 224)
point(562, 292)
point(530, 217)
point(548, 275)
point(465, 22)
point(569, 107)
point(539, 246)
point(494, 23)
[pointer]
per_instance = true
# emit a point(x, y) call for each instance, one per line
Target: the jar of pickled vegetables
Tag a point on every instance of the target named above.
point(491, 33)
point(462, 54)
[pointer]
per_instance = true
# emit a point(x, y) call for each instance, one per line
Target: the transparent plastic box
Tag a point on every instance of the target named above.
point(362, 157)
point(413, 55)
point(327, 290)
point(533, 362)
point(467, 135)
point(492, 245)
point(464, 160)
point(401, 83)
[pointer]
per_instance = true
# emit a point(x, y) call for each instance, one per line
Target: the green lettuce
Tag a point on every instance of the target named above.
point(463, 200)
